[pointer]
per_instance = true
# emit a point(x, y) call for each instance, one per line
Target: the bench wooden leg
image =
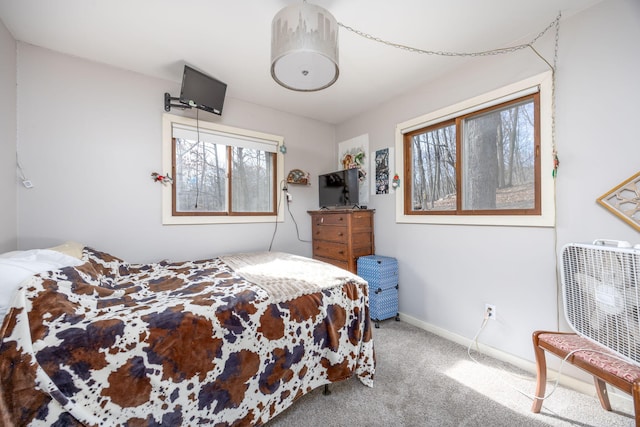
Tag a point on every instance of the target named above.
point(541, 373)
point(603, 394)
point(635, 391)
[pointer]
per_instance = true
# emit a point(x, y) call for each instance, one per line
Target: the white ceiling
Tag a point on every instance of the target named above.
point(230, 40)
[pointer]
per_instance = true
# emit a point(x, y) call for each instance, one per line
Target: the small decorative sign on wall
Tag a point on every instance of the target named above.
point(624, 201)
point(381, 163)
point(353, 154)
point(298, 176)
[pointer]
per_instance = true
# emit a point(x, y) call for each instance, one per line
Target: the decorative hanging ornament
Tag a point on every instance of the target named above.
point(163, 179)
point(396, 181)
point(556, 163)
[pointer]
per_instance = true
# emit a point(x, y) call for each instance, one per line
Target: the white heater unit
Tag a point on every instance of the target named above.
point(601, 294)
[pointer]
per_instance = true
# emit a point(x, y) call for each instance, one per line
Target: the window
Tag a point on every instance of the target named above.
point(220, 174)
point(485, 162)
point(479, 162)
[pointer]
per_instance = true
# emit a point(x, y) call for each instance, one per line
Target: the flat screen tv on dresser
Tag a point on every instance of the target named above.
point(339, 189)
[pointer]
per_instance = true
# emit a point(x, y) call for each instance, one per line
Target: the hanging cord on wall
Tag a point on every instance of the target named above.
point(554, 152)
point(296, 224)
point(283, 188)
point(23, 178)
point(490, 52)
point(200, 178)
point(556, 163)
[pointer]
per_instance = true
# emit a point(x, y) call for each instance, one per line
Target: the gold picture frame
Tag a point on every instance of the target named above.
point(624, 201)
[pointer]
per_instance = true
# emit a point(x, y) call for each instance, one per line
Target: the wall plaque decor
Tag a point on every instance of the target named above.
point(352, 153)
point(624, 201)
point(298, 176)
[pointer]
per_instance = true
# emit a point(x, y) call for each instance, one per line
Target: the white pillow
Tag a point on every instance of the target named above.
point(10, 254)
point(17, 266)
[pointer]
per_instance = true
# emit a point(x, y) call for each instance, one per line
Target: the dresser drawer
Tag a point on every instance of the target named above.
point(331, 250)
point(361, 245)
point(332, 233)
point(362, 220)
point(331, 219)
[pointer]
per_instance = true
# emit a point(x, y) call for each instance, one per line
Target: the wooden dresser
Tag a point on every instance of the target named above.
point(341, 236)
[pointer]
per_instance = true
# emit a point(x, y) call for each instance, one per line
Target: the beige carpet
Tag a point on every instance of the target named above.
point(425, 380)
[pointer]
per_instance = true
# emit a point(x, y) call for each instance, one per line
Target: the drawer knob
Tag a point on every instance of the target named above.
point(341, 234)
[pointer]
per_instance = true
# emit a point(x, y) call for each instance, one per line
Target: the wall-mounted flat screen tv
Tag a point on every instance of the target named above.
point(202, 91)
point(339, 189)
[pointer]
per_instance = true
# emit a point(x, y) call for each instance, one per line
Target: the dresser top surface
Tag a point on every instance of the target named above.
point(329, 211)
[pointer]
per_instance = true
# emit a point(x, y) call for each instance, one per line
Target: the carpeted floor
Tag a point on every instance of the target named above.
point(425, 380)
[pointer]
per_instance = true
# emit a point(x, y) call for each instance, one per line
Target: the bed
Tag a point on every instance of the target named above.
point(232, 340)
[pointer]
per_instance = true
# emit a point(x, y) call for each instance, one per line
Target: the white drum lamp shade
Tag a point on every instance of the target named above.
point(304, 48)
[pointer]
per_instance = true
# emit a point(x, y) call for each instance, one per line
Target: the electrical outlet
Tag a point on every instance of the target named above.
point(490, 311)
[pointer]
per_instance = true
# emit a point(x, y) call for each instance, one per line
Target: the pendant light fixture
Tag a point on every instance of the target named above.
point(304, 48)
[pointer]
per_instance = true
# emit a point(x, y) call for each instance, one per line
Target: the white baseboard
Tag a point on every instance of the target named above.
point(622, 401)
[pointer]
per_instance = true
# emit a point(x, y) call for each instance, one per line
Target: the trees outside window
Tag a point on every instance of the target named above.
point(200, 176)
point(485, 162)
point(217, 179)
point(220, 174)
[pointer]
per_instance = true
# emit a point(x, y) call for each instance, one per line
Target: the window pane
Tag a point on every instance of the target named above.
point(498, 158)
point(252, 180)
point(433, 155)
point(201, 176)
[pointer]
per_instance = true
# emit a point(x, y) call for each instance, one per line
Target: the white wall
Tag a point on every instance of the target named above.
point(448, 273)
point(8, 195)
point(89, 137)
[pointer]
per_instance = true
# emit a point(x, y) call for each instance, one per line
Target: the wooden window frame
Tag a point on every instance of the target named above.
point(458, 123)
point(541, 83)
point(192, 218)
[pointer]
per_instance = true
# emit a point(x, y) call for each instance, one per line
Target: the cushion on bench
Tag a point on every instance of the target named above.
point(599, 356)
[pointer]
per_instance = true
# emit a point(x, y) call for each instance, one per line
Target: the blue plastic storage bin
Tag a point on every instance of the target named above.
point(381, 273)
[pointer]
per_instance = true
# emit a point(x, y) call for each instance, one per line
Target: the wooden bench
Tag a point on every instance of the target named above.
point(602, 363)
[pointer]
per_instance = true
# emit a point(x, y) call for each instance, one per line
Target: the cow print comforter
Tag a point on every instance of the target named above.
point(191, 343)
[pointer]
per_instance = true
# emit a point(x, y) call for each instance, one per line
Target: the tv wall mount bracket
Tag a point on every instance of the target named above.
point(167, 103)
